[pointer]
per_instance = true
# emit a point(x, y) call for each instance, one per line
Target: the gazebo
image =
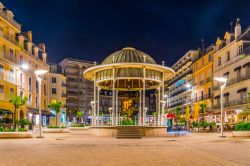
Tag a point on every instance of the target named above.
point(128, 70)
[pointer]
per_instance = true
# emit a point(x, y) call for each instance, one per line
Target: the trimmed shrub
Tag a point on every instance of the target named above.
point(243, 126)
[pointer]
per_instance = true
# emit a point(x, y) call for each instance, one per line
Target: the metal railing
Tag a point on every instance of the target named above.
point(234, 81)
point(204, 97)
point(232, 103)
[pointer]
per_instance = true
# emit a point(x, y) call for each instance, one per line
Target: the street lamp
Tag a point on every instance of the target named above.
point(222, 80)
point(162, 111)
point(145, 116)
point(93, 109)
point(39, 73)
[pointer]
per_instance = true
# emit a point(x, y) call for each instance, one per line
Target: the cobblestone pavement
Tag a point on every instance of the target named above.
point(79, 148)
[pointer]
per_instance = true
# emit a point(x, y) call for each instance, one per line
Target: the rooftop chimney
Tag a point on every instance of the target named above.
point(42, 47)
point(237, 29)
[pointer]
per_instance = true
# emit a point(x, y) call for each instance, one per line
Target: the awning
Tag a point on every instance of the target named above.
point(226, 94)
point(237, 68)
point(242, 90)
point(227, 73)
point(2, 111)
point(246, 64)
point(216, 97)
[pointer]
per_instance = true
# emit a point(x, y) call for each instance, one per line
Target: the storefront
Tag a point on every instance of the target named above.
point(6, 116)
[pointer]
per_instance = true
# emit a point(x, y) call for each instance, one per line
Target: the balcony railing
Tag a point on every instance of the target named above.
point(64, 95)
point(204, 97)
point(180, 102)
point(179, 91)
point(235, 80)
point(232, 103)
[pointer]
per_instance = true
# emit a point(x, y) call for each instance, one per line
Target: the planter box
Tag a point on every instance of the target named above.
point(56, 130)
point(241, 133)
point(15, 135)
point(79, 128)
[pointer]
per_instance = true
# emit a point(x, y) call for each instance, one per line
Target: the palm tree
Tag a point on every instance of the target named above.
point(203, 109)
point(56, 107)
point(244, 115)
point(79, 114)
point(17, 102)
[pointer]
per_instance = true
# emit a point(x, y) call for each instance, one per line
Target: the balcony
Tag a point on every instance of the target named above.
point(8, 78)
point(234, 81)
point(179, 92)
point(64, 95)
point(204, 97)
point(232, 103)
point(178, 103)
point(64, 84)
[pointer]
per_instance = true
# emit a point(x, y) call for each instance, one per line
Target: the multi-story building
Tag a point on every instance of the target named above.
point(203, 81)
point(57, 89)
point(232, 60)
point(79, 90)
point(180, 86)
point(17, 50)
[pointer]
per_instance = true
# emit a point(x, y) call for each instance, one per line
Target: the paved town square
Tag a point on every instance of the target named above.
point(78, 148)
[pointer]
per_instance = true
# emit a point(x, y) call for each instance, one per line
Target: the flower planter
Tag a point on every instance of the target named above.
point(56, 130)
point(15, 135)
point(241, 133)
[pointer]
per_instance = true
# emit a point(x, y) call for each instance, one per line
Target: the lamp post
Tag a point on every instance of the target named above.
point(39, 73)
point(92, 114)
point(222, 80)
point(110, 111)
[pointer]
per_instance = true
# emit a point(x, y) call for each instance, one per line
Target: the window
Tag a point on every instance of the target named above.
point(202, 95)
point(21, 93)
point(53, 79)
point(219, 61)
point(228, 56)
point(44, 89)
point(37, 104)
point(243, 96)
point(1, 68)
point(21, 59)
point(209, 92)
point(37, 88)
point(240, 49)
point(202, 62)
point(44, 103)
point(12, 91)
point(11, 55)
point(11, 75)
point(209, 57)
point(53, 101)
point(1, 88)
point(53, 90)
point(30, 84)
point(30, 99)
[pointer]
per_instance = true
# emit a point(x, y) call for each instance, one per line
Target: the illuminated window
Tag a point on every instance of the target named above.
point(53, 101)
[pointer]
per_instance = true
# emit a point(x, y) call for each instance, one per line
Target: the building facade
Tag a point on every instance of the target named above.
point(232, 61)
point(180, 86)
point(17, 49)
point(203, 82)
point(79, 90)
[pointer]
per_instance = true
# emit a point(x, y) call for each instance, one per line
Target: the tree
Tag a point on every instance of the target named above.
point(56, 107)
point(79, 115)
point(203, 109)
point(17, 102)
point(177, 113)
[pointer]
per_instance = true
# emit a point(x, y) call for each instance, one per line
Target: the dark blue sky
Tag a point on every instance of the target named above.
point(92, 29)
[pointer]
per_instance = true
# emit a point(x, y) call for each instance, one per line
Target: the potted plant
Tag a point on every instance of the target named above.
point(57, 108)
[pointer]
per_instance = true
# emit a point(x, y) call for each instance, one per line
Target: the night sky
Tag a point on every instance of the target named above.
point(92, 29)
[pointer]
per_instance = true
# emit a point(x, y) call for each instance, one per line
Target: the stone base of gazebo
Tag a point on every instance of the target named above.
point(111, 131)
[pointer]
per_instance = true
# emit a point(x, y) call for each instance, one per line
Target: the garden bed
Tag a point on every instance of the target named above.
point(16, 135)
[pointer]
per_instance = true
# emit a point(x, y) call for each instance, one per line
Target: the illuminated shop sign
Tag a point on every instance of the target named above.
point(180, 82)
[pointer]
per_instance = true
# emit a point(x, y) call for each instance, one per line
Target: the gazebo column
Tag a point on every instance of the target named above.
point(143, 98)
point(159, 106)
point(98, 106)
point(94, 104)
point(163, 102)
point(116, 108)
point(140, 114)
point(113, 97)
